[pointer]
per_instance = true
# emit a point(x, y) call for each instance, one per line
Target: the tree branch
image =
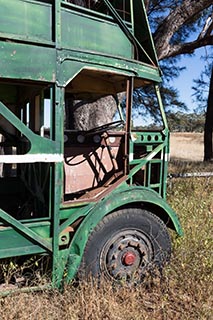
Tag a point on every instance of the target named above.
point(182, 14)
point(207, 29)
point(189, 47)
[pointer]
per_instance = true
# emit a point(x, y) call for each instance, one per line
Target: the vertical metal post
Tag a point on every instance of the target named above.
point(157, 90)
point(52, 104)
point(132, 15)
point(58, 23)
point(57, 183)
point(134, 49)
point(58, 134)
point(165, 154)
point(129, 93)
point(42, 112)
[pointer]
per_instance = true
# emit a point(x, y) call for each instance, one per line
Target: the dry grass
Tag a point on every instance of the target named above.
point(186, 146)
point(184, 293)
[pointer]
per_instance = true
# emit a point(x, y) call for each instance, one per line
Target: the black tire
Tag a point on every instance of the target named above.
point(126, 244)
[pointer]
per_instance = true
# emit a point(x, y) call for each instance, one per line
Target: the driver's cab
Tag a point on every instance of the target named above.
point(94, 146)
point(101, 148)
point(94, 156)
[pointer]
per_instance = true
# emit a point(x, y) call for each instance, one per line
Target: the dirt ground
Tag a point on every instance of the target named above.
point(186, 146)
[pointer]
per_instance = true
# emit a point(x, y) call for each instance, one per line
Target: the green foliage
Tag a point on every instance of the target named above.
point(179, 122)
point(144, 99)
point(186, 122)
point(144, 103)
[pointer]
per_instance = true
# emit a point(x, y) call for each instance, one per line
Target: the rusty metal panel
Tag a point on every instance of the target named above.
point(85, 168)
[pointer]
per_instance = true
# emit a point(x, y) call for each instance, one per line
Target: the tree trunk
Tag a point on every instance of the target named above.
point(208, 130)
point(86, 115)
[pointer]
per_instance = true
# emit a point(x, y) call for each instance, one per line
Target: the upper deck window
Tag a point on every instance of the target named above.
point(121, 6)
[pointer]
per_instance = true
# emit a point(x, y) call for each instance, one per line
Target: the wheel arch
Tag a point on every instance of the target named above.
point(129, 197)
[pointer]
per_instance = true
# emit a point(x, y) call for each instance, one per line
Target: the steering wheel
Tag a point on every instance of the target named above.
point(106, 127)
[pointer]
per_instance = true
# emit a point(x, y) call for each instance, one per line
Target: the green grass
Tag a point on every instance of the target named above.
point(184, 292)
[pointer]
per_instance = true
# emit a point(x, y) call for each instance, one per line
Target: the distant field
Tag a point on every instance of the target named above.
point(186, 146)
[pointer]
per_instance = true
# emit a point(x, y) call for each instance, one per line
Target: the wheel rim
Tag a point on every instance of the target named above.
point(126, 255)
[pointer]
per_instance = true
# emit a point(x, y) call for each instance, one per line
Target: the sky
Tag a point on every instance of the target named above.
point(194, 65)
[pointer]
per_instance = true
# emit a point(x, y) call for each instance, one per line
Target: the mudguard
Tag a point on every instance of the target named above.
point(115, 200)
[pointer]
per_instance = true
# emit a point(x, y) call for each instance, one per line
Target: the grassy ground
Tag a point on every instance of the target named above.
point(185, 292)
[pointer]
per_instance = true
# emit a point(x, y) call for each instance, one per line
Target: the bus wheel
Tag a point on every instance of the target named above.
point(127, 244)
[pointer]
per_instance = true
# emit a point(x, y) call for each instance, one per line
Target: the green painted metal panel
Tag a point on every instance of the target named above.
point(21, 250)
point(25, 19)
point(25, 61)
point(31, 62)
point(15, 243)
point(72, 62)
point(87, 39)
point(92, 34)
point(24, 230)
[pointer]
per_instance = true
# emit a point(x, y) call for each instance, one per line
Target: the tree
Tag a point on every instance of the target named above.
point(170, 37)
point(175, 28)
point(208, 149)
point(186, 122)
point(204, 93)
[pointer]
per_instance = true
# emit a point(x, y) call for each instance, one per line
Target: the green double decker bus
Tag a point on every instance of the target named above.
point(92, 199)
